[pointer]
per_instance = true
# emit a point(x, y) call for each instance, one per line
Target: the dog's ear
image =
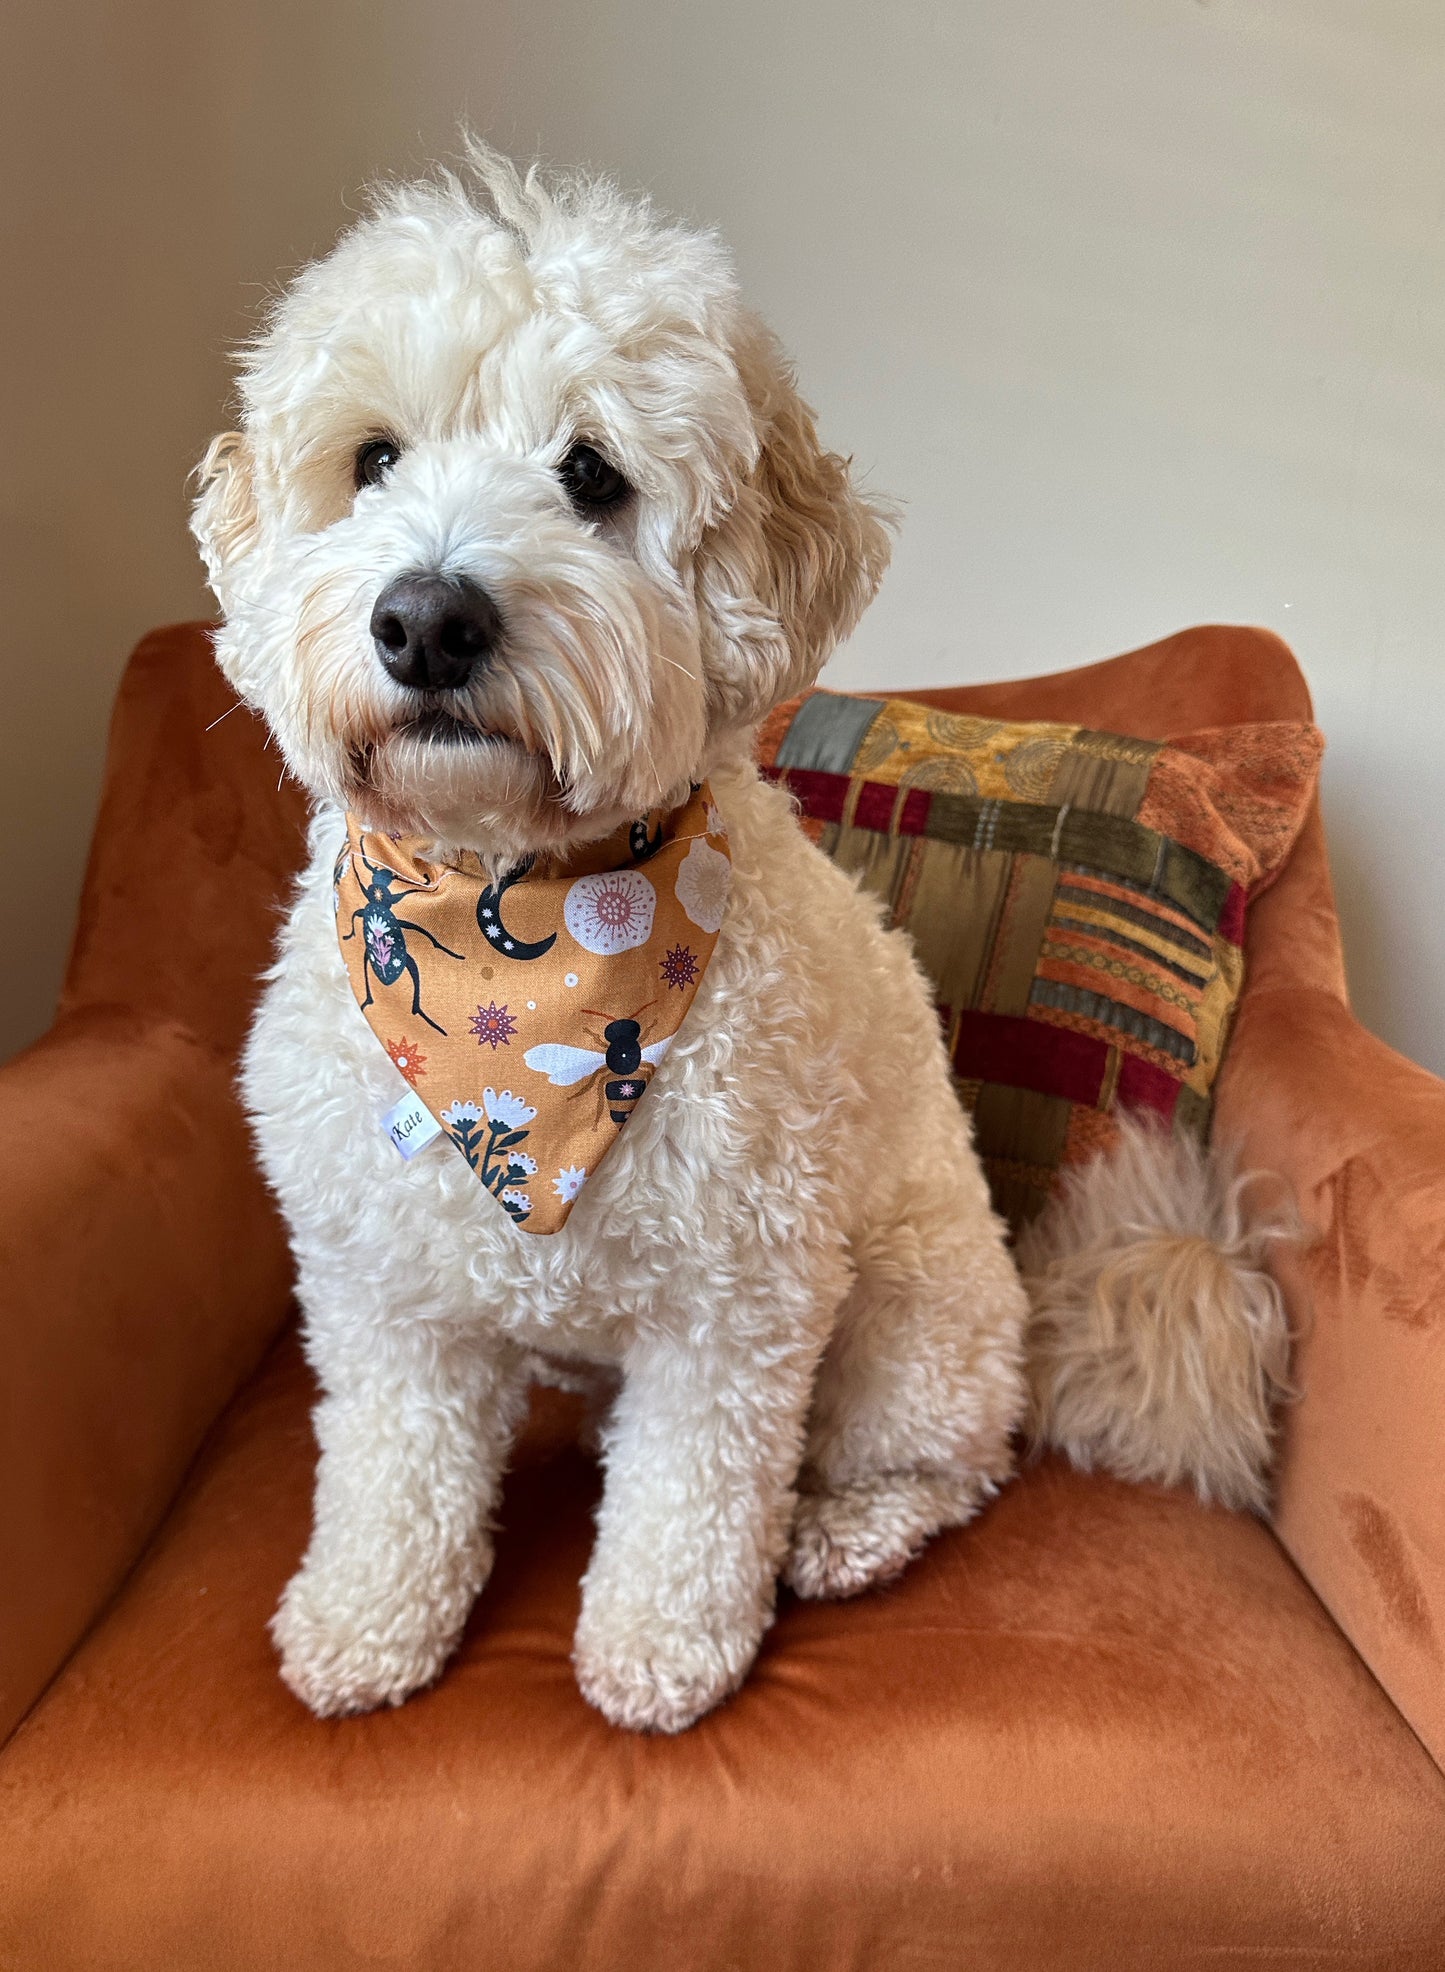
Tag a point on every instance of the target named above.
point(224, 518)
point(796, 560)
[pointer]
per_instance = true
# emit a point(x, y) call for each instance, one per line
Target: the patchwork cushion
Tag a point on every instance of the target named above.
point(1076, 897)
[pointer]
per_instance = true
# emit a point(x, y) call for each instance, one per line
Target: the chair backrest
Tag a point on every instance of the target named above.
point(196, 843)
point(200, 832)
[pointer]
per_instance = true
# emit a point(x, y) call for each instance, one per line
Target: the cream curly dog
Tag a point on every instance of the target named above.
point(545, 402)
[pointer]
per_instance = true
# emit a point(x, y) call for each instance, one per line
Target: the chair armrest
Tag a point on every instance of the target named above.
point(144, 1271)
point(1360, 1134)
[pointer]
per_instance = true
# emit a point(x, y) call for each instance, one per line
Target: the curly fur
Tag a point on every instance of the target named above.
point(1158, 1343)
point(788, 1263)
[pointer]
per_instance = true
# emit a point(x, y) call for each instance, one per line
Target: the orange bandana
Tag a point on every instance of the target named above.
point(567, 980)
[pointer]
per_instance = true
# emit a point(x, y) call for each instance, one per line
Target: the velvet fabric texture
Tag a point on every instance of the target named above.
point(1102, 1727)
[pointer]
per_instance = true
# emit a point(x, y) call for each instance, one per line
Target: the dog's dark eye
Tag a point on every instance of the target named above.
point(374, 461)
point(589, 479)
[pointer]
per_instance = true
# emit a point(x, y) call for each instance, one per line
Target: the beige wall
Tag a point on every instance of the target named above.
point(1140, 306)
point(160, 163)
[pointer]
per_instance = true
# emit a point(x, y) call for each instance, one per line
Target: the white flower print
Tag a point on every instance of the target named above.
point(569, 1181)
point(611, 911)
point(511, 1196)
point(702, 885)
point(461, 1112)
point(518, 1161)
point(504, 1108)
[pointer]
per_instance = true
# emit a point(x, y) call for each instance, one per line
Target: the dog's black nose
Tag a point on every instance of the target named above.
point(433, 631)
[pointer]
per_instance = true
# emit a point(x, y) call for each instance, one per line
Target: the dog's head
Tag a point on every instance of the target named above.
point(525, 516)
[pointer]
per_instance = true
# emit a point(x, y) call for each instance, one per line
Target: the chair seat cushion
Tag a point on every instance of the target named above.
point(1101, 1727)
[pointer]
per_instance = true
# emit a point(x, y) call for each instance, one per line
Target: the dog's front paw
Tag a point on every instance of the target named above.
point(861, 1536)
point(341, 1655)
point(652, 1677)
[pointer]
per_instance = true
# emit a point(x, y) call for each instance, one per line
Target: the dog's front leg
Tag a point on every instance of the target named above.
point(701, 1453)
point(413, 1437)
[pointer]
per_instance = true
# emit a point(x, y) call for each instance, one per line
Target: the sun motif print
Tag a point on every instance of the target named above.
point(611, 911)
point(575, 971)
point(493, 1026)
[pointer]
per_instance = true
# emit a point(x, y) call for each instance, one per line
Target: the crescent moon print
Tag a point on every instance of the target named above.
point(489, 919)
point(643, 845)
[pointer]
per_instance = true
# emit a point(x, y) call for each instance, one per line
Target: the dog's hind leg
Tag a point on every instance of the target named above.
point(919, 1392)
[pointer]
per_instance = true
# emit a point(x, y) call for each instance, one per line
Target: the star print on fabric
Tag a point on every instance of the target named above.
point(494, 931)
point(493, 1026)
point(410, 1060)
point(679, 967)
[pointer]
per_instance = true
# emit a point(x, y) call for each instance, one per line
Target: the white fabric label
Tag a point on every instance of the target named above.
point(410, 1125)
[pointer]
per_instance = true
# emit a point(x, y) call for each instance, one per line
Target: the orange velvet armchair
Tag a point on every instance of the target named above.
point(1102, 1727)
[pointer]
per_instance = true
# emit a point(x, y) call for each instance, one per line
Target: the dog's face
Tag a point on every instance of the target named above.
point(525, 517)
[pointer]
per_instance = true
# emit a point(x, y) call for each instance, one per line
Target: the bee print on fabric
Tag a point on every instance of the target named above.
point(617, 1068)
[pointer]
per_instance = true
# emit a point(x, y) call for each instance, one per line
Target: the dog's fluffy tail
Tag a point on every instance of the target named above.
point(1158, 1342)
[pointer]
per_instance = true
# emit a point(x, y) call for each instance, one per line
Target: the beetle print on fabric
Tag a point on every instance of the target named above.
point(384, 947)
